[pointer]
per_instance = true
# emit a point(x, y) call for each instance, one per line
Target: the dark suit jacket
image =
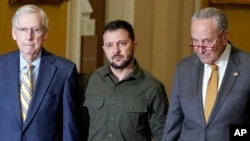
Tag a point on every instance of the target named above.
point(52, 111)
point(185, 119)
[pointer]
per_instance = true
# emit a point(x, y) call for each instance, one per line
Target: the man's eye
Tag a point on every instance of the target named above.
point(108, 45)
point(195, 41)
point(207, 41)
point(122, 43)
point(36, 29)
point(24, 29)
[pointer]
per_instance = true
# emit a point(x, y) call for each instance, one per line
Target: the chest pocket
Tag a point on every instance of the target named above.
point(95, 111)
point(95, 103)
point(134, 116)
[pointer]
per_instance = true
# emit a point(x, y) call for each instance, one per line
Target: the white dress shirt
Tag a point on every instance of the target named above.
point(221, 64)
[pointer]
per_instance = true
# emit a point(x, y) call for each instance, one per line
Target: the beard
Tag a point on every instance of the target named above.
point(124, 64)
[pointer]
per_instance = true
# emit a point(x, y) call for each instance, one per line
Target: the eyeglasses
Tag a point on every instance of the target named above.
point(206, 44)
point(35, 31)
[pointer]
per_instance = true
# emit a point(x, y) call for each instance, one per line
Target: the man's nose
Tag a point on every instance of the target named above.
point(116, 48)
point(29, 34)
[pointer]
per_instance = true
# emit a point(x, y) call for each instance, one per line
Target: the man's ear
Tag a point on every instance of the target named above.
point(225, 36)
point(135, 45)
point(46, 34)
point(14, 33)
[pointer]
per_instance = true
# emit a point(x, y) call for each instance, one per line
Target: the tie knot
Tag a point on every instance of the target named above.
point(213, 67)
point(30, 67)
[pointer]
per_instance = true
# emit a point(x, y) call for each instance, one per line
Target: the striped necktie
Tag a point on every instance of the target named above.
point(212, 89)
point(26, 91)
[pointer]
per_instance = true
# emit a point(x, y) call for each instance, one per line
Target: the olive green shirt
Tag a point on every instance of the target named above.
point(133, 109)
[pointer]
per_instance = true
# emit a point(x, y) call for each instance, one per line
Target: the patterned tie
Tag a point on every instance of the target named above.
point(26, 91)
point(212, 89)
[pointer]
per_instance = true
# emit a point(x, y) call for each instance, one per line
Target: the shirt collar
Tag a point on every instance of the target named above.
point(224, 57)
point(36, 62)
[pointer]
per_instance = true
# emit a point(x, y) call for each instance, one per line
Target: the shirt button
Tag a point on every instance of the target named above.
point(110, 135)
point(112, 118)
point(113, 102)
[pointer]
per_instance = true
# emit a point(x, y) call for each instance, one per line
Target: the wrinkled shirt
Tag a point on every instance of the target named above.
point(133, 109)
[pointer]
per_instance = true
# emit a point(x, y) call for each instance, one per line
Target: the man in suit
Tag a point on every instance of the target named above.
point(187, 118)
point(50, 114)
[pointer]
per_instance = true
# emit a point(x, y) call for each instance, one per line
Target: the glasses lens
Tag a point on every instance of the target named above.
point(206, 44)
point(34, 31)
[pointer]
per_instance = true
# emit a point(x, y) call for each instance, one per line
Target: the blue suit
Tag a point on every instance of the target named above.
point(52, 114)
point(185, 120)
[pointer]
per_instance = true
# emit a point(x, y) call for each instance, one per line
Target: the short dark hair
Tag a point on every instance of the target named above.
point(120, 24)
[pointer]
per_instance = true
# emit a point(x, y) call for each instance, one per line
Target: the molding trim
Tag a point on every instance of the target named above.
point(73, 47)
point(130, 11)
point(197, 5)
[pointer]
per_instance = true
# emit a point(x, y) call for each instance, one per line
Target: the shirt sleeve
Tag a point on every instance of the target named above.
point(158, 112)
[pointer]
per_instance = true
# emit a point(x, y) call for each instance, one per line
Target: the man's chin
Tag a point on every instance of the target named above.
point(117, 66)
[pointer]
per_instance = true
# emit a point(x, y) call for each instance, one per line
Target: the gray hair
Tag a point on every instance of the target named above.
point(30, 9)
point(210, 12)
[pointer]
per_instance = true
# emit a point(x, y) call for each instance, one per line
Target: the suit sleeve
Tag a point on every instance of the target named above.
point(70, 108)
point(175, 115)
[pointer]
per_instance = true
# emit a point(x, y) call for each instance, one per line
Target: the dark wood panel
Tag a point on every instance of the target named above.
point(89, 54)
point(99, 16)
point(92, 53)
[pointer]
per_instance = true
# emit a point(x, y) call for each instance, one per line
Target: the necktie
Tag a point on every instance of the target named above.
point(212, 89)
point(26, 91)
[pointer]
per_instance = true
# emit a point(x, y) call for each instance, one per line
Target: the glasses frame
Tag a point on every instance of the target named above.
point(34, 31)
point(211, 47)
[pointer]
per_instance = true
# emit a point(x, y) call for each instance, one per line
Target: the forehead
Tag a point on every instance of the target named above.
point(203, 28)
point(116, 34)
point(29, 19)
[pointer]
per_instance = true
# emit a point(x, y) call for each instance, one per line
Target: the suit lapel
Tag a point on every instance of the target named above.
point(12, 88)
point(198, 80)
point(45, 75)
